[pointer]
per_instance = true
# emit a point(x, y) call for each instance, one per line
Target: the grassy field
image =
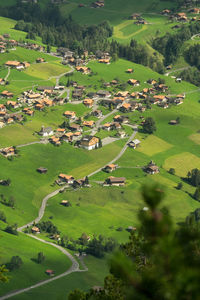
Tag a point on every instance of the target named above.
point(30, 272)
point(59, 289)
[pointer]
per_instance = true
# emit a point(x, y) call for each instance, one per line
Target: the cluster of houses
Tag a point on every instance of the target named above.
point(17, 64)
point(139, 20)
point(8, 151)
point(182, 16)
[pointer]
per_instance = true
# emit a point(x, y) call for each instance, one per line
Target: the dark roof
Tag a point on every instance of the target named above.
point(87, 138)
point(116, 179)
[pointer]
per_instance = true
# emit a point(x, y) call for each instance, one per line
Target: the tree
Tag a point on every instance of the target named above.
point(149, 125)
point(15, 263)
point(2, 216)
point(197, 194)
point(179, 186)
point(3, 271)
point(40, 257)
point(86, 182)
point(11, 202)
point(172, 171)
point(12, 229)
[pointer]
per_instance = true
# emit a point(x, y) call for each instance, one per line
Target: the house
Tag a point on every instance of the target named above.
point(134, 95)
point(7, 94)
point(13, 64)
point(40, 60)
point(39, 107)
point(97, 113)
point(2, 114)
point(129, 71)
point(77, 93)
point(68, 137)
point(107, 126)
point(88, 102)
point(48, 102)
point(2, 81)
point(134, 144)
point(152, 81)
point(70, 114)
point(121, 119)
point(104, 94)
point(83, 70)
point(46, 131)
point(75, 127)
point(50, 272)
point(159, 98)
point(65, 203)
point(12, 104)
point(66, 178)
point(178, 80)
point(89, 142)
point(134, 16)
point(134, 82)
point(121, 134)
point(9, 151)
point(2, 124)
point(2, 108)
point(126, 107)
point(104, 61)
point(178, 101)
point(123, 94)
point(110, 168)
point(42, 170)
point(173, 122)
point(194, 10)
point(115, 181)
point(98, 4)
point(55, 140)
point(89, 124)
point(151, 168)
point(35, 229)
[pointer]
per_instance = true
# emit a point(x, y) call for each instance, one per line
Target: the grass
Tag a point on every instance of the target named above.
point(182, 163)
point(59, 289)
point(30, 272)
point(153, 145)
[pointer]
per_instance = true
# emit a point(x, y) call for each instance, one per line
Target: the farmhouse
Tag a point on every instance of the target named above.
point(134, 144)
point(35, 229)
point(129, 71)
point(123, 94)
point(134, 82)
point(89, 124)
point(110, 168)
point(70, 114)
point(12, 64)
point(97, 113)
point(89, 142)
point(50, 272)
point(121, 119)
point(55, 140)
point(46, 131)
point(151, 168)
point(115, 181)
point(66, 178)
point(7, 94)
point(9, 151)
point(104, 61)
point(12, 104)
point(39, 107)
point(65, 203)
point(103, 94)
point(173, 122)
point(98, 4)
point(82, 69)
point(40, 60)
point(88, 102)
point(42, 170)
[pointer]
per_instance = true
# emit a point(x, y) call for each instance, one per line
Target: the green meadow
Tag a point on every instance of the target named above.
point(30, 272)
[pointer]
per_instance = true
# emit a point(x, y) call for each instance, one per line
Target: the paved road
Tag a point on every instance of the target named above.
point(193, 37)
point(119, 155)
point(8, 74)
point(177, 70)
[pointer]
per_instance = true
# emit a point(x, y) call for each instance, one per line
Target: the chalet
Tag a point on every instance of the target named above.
point(178, 80)
point(134, 82)
point(110, 168)
point(48, 102)
point(77, 93)
point(166, 12)
point(60, 131)
point(70, 114)
point(158, 98)
point(12, 104)
point(116, 126)
point(115, 181)
point(39, 107)
point(2, 48)
point(33, 96)
point(163, 105)
point(9, 151)
point(134, 16)
point(43, 88)
point(126, 107)
point(123, 94)
point(178, 101)
point(55, 141)
point(66, 178)
point(78, 183)
point(83, 70)
point(151, 168)
point(50, 272)
point(89, 142)
point(161, 87)
point(98, 4)
point(173, 122)
point(104, 61)
point(2, 107)
point(46, 131)
point(89, 124)
point(13, 64)
point(104, 94)
point(75, 127)
point(107, 126)
point(88, 102)
point(2, 81)
point(30, 113)
point(152, 81)
point(68, 137)
point(42, 170)
point(35, 229)
point(97, 113)
point(2, 114)
point(181, 96)
point(129, 71)
point(114, 82)
point(2, 124)
point(134, 144)
point(121, 119)
point(194, 10)
point(7, 94)
point(9, 120)
point(65, 203)
point(117, 101)
point(121, 134)
point(40, 60)
point(17, 117)
point(134, 95)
